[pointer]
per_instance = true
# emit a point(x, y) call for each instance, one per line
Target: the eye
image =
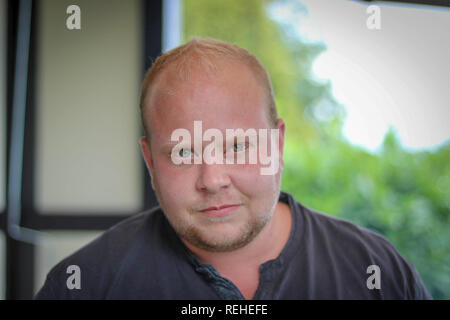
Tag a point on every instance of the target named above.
point(185, 153)
point(239, 147)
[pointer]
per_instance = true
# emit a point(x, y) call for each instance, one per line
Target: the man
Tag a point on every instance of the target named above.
point(223, 229)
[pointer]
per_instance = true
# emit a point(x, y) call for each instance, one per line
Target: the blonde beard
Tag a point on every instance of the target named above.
point(247, 233)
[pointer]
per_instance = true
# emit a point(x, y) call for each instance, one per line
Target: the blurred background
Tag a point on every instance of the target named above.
point(367, 111)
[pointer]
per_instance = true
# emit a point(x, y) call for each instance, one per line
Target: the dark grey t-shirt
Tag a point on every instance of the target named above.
point(325, 258)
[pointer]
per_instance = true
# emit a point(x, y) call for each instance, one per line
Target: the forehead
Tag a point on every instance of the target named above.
point(228, 98)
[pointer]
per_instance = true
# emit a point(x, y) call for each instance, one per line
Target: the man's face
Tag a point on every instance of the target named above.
point(233, 99)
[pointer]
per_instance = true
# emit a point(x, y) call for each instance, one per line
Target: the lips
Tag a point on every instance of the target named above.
point(220, 211)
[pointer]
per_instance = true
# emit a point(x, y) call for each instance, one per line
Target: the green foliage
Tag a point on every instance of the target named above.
point(400, 194)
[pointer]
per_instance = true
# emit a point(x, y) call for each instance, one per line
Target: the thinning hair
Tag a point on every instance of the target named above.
point(204, 53)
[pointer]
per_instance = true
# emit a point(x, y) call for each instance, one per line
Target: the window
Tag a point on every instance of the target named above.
point(82, 168)
point(3, 42)
point(87, 119)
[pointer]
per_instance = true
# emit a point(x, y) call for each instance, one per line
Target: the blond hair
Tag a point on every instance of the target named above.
point(202, 53)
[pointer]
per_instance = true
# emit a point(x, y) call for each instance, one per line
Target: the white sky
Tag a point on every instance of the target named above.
point(396, 76)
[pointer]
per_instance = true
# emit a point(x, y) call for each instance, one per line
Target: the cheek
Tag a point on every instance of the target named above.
point(249, 181)
point(172, 185)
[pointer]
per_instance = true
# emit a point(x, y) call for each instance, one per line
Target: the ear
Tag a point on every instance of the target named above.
point(281, 126)
point(148, 158)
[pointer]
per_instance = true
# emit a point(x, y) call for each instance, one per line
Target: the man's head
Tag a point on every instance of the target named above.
point(202, 55)
point(224, 87)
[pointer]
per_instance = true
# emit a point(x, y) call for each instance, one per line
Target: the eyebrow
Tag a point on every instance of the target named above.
point(169, 145)
point(235, 138)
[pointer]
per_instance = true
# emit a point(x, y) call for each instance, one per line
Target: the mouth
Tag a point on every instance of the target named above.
point(220, 211)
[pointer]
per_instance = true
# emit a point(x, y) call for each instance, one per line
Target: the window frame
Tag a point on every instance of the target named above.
point(20, 256)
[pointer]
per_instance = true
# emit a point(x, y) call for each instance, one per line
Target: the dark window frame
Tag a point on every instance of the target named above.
point(20, 256)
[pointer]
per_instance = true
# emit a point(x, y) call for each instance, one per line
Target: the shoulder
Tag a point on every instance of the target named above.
point(353, 249)
point(344, 233)
point(101, 260)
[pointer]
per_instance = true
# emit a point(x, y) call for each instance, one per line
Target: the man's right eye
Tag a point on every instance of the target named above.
point(184, 153)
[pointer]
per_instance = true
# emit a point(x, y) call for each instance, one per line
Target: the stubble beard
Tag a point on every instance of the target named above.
point(247, 233)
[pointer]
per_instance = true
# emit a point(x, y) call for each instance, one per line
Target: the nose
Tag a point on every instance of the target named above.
point(212, 178)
